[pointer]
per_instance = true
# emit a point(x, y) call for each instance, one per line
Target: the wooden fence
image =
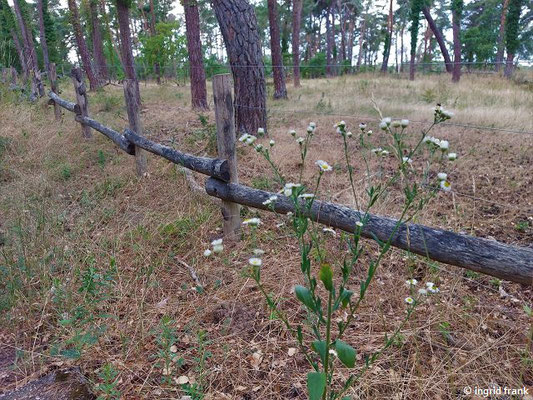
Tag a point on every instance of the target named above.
point(481, 255)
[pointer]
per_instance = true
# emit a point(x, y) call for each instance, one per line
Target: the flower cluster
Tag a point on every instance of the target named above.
point(429, 289)
point(340, 127)
point(378, 151)
point(289, 188)
point(270, 200)
point(248, 139)
point(252, 222)
point(441, 114)
point(435, 143)
point(217, 247)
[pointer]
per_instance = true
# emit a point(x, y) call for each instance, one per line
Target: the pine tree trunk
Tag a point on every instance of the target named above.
point(194, 48)
point(29, 48)
point(238, 25)
point(20, 51)
point(330, 37)
point(501, 35)
point(123, 16)
point(351, 37)
point(456, 76)
point(82, 45)
point(296, 22)
point(508, 72)
point(388, 41)
point(439, 37)
point(280, 90)
point(101, 69)
point(402, 48)
point(44, 46)
point(361, 43)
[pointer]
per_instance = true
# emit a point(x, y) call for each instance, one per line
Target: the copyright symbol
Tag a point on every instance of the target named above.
point(467, 390)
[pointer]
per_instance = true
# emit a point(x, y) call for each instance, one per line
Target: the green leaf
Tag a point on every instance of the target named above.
point(345, 297)
point(346, 353)
point(316, 384)
point(320, 347)
point(326, 276)
point(304, 295)
point(528, 310)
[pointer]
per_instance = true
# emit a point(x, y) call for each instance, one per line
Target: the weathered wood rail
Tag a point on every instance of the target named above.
point(481, 255)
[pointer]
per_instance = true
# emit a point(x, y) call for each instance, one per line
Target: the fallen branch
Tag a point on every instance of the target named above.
point(481, 255)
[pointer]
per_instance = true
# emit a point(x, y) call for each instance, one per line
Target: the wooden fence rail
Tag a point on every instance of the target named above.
point(481, 255)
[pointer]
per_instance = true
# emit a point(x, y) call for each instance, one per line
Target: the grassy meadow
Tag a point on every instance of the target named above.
point(94, 262)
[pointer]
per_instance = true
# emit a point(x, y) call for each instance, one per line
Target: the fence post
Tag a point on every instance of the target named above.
point(225, 121)
point(53, 87)
point(81, 99)
point(132, 106)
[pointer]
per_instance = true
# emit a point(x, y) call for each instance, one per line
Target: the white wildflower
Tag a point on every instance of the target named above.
point(251, 221)
point(377, 150)
point(407, 160)
point(359, 224)
point(409, 300)
point(362, 126)
point(259, 252)
point(260, 131)
point(323, 166)
point(218, 248)
point(270, 200)
point(405, 123)
point(300, 140)
point(422, 292)
point(255, 261)
point(386, 120)
point(446, 114)
point(259, 148)
point(444, 145)
point(272, 143)
point(442, 176)
point(310, 129)
point(306, 196)
point(207, 253)
point(333, 352)
point(383, 125)
point(243, 137)
point(411, 282)
point(288, 188)
point(292, 132)
point(312, 125)
point(445, 186)
point(349, 134)
point(429, 284)
point(452, 156)
point(216, 242)
point(396, 124)
point(433, 289)
point(329, 230)
point(250, 140)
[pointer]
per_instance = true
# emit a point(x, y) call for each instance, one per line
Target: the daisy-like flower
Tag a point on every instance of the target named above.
point(385, 153)
point(446, 114)
point(333, 352)
point(259, 148)
point(359, 224)
point(329, 230)
point(377, 150)
point(396, 124)
point(207, 253)
point(404, 123)
point(300, 140)
point(218, 248)
point(442, 176)
point(270, 200)
point(250, 140)
point(407, 160)
point(362, 126)
point(340, 124)
point(386, 120)
point(323, 166)
point(312, 125)
point(409, 300)
point(260, 131)
point(433, 289)
point(383, 125)
point(216, 242)
point(255, 262)
point(243, 137)
point(258, 252)
point(271, 143)
point(422, 292)
point(445, 186)
point(310, 129)
point(444, 145)
point(427, 139)
point(288, 188)
point(452, 156)
point(251, 221)
point(349, 134)
point(411, 282)
point(369, 132)
point(292, 132)
point(429, 284)
point(306, 196)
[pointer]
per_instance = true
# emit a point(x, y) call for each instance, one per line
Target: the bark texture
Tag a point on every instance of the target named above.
point(100, 62)
point(388, 40)
point(456, 25)
point(501, 35)
point(280, 90)
point(238, 24)
point(82, 45)
point(296, 24)
point(194, 48)
point(42, 36)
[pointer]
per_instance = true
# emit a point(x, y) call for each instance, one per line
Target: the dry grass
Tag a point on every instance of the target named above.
point(70, 211)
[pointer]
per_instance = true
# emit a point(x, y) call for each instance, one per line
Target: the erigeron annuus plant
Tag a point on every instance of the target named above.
point(327, 291)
